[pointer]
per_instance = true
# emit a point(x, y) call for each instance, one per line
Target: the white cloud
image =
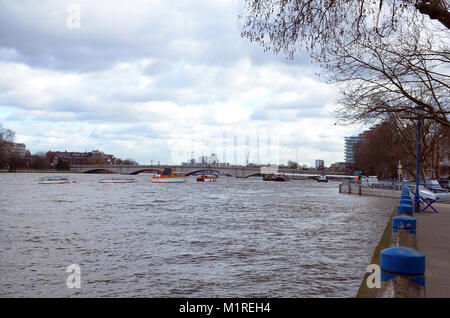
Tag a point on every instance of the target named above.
point(157, 80)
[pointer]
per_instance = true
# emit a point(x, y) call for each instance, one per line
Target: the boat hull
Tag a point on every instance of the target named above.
point(169, 180)
point(207, 179)
point(117, 181)
point(54, 182)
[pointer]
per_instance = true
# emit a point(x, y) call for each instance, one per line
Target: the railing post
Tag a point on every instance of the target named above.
point(403, 231)
point(402, 273)
point(404, 208)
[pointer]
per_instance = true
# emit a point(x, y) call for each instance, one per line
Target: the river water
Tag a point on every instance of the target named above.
point(233, 238)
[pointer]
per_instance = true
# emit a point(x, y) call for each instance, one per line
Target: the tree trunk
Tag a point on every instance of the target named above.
point(436, 10)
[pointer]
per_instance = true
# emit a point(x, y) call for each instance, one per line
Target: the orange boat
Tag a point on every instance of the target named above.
point(169, 176)
point(211, 178)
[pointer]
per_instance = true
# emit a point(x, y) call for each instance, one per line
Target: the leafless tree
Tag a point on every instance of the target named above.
point(376, 154)
point(380, 150)
point(384, 56)
point(6, 137)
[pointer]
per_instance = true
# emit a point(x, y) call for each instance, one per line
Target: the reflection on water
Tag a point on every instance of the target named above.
point(234, 238)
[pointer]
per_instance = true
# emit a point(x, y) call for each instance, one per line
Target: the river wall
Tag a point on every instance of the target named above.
point(360, 190)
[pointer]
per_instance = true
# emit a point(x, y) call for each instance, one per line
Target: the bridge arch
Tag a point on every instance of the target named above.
point(200, 170)
point(98, 170)
point(154, 170)
point(257, 174)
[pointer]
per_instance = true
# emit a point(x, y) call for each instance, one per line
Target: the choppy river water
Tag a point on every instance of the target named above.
point(233, 238)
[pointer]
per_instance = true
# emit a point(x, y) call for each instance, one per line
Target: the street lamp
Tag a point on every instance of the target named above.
point(419, 112)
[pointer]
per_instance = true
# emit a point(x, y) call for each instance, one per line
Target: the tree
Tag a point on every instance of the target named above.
point(6, 138)
point(16, 163)
point(384, 56)
point(130, 162)
point(62, 165)
point(39, 161)
point(435, 10)
point(381, 149)
point(376, 154)
point(292, 164)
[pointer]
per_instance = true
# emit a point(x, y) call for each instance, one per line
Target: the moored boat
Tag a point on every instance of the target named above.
point(274, 177)
point(54, 180)
point(168, 175)
point(279, 177)
point(322, 178)
point(208, 178)
point(118, 180)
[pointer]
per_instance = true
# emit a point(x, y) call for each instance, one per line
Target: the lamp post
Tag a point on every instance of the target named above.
point(419, 112)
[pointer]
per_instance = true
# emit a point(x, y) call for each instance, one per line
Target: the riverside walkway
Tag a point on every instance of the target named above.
point(433, 240)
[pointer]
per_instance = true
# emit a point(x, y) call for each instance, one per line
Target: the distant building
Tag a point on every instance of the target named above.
point(349, 153)
point(349, 150)
point(209, 160)
point(319, 164)
point(80, 158)
point(338, 166)
point(16, 151)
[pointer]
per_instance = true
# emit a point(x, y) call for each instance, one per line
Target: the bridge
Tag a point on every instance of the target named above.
point(234, 171)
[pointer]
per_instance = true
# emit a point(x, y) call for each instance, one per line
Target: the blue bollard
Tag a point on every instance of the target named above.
point(405, 196)
point(402, 222)
point(406, 201)
point(405, 208)
point(404, 231)
point(402, 273)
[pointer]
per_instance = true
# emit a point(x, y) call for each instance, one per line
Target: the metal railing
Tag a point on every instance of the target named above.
point(383, 185)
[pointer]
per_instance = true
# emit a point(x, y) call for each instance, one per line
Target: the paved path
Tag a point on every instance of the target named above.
point(433, 240)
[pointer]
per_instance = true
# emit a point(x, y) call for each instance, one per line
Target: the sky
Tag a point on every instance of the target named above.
point(159, 81)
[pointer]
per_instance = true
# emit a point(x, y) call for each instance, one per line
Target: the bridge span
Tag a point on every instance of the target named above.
point(234, 171)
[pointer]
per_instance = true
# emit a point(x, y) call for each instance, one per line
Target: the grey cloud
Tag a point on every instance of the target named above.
point(125, 131)
point(310, 102)
point(282, 115)
point(324, 144)
point(260, 115)
point(35, 33)
point(313, 113)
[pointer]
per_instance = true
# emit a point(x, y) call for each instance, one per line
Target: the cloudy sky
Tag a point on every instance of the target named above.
point(158, 81)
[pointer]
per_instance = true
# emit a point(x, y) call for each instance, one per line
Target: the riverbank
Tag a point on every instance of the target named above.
point(433, 237)
point(385, 240)
point(37, 171)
